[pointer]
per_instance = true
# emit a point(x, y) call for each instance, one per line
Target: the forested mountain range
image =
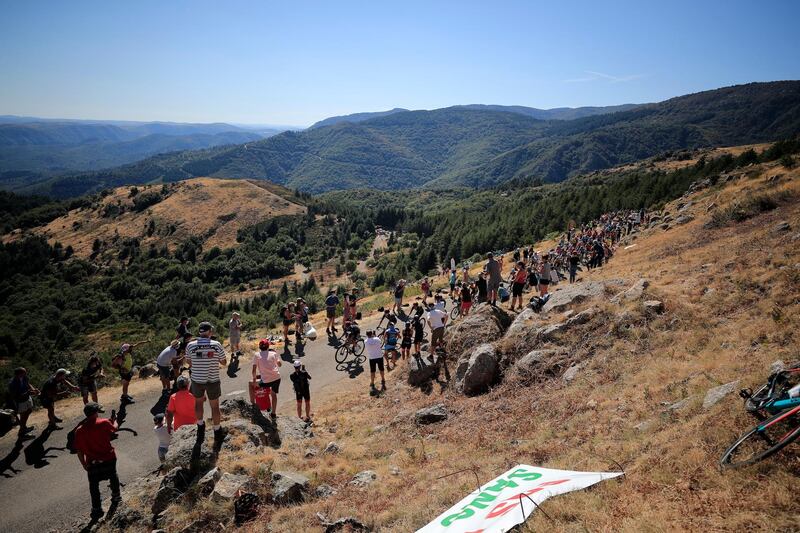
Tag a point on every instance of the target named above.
point(474, 147)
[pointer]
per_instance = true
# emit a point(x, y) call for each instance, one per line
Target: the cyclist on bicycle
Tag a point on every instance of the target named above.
point(351, 333)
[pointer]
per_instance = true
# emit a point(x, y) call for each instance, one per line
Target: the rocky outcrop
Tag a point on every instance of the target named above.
point(289, 487)
point(538, 363)
point(573, 294)
point(173, 485)
point(363, 479)
point(431, 415)
point(635, 292)
point(718, 393)
point(230, 485)
point(485, 323)
point(422, 371)
point(182, 450)
point(477, 370)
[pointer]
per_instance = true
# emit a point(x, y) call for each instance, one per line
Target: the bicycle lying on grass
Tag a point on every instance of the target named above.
point(777, 406)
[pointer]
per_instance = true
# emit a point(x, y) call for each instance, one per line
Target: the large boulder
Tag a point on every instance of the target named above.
point(205, 485)
point(253, 436)
point(523, 328)
point(184, 450)
point(485, 323)
point(633, 293)
point(421, 371)
point(431, 415)
point(229, 485)
point(7, 420)
point(173, 485)
point(573, 294)
point(540, 363)
point(477, 370)
point(288, 487)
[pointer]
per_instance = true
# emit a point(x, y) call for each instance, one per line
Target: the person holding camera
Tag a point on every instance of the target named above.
point(302, 390)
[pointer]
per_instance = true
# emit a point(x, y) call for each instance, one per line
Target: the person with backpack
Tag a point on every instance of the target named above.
point(206, 356)
point(266, 373)
point(518, 284)
point(466, 299)
point(302, 390)
point(52, 390)
point(390, 339)
point(331, 303)
point(21, 392)
point(437, 319)
point(97, 456)
point(482, 287)
point(88, 378)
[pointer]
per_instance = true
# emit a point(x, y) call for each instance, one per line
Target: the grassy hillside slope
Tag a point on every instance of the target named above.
point(731, 307)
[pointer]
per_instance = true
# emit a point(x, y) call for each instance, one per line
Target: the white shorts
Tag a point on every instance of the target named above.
point(24, 407)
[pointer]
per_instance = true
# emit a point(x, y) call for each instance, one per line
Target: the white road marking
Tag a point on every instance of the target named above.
point(234, 393)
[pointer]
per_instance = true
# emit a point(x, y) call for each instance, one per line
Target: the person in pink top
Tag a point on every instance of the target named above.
point(265, 367)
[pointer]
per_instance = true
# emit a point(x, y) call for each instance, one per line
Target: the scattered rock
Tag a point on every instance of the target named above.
point(654, 306)
point(293, 427)
point(229, 485)
point(324, 491)
point(485, 323)
point(310, 452)
point(431, 415)
point(173, 484)
point(646, 425)
point(782, 227)
point(717, 393)
point(332, 448)
point(534, 361)
point(571, 373)
point(288, 487)
point(777, 366)
point(680, 405)
point(348, 524)
point(395, 471)
point(148, 371)
point(477, 370)
point(363, 479)
point(126, 517)
point(591, 404)
point(205, 485)
point(684, 219)
point(254, 435)
point(573, 294)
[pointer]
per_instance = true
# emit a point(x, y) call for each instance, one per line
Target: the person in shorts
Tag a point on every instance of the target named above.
point(235, 332)
point(54, 389)
point(519, 280)
point(466, 299)
point(164, 363)
point(87, 381)
point(287, 318)
point(206, 356)
point(419, 333)
point(123, 361)
point(399, 290)
point(302, 390)
point(405, 344)
point(163, 436)
point(391, 337)
point(266, 373)
point(374, 349)
point(494, 271)
point(437, 319)
point(21, 392)
point(331, 303)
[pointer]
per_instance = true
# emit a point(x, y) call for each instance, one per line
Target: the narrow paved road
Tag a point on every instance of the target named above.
point(55, 495)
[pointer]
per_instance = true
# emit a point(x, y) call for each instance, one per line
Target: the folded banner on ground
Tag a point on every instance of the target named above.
point(505, 501)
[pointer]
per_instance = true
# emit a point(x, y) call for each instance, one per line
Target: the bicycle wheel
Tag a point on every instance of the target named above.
point(763, 440)
point(341, 353)
point(455, 312)
point(379, 331)
point(358, 349)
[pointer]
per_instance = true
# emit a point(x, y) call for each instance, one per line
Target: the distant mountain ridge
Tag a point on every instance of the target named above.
point(557, 113)
point(473, 147)
point(355, 117)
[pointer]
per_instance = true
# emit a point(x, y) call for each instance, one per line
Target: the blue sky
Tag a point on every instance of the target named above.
point(298, 62)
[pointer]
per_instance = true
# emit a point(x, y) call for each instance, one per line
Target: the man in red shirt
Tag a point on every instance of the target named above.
point(180, 409)
point(96, 454)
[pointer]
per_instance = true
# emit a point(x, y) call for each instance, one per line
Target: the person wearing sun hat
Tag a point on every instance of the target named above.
point(96, 454)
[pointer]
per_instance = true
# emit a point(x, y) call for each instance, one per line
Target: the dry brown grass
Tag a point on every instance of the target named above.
point(732, 299)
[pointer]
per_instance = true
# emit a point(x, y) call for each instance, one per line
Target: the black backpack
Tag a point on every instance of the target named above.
point(71, 438)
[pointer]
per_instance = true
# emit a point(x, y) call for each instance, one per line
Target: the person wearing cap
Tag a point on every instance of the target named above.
point(21, 392)
point(163, 436)
point(206, 356)
point(235, 332)
point(266, 374)
point(52, 390)
point(164, 362)
point(96, 454)
point(124, 363)
point(180, 408)
point(302, 391)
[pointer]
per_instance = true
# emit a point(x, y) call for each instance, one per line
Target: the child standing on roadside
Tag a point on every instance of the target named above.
point(302, 391)
point(162, 433)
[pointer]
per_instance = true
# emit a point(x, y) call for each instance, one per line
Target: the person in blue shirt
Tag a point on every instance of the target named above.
point(391, 338)
point(22, 394)
point(331, 303)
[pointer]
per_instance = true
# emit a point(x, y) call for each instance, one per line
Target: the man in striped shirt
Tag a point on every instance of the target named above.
point(206, 356)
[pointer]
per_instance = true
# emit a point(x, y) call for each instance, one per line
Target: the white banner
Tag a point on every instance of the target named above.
point(496, 507)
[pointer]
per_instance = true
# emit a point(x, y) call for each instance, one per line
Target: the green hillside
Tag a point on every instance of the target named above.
point(457, 146)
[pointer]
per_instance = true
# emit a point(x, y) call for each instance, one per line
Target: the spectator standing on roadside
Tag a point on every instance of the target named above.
point(493, 269)
point(452, 280)
point(287, 318)
point(124, 363)
point(97, 455)
point(437, 319)
point(425, 286)
point(205, 357)
point(574, 259)
point(183, 328)
point(181, 408)
point(22, 394)
point(164, 363)
point(374, 348)
point(88, 378)
point(545, 271)
point(331, 303)
point(302, 389)
point(52, 390)
point(399, 289)
point(419, 333)
point(482, 287)
point(235, 332)
point(408, 338)
point(266, 364)
point(466, 299)
point(518, 284)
